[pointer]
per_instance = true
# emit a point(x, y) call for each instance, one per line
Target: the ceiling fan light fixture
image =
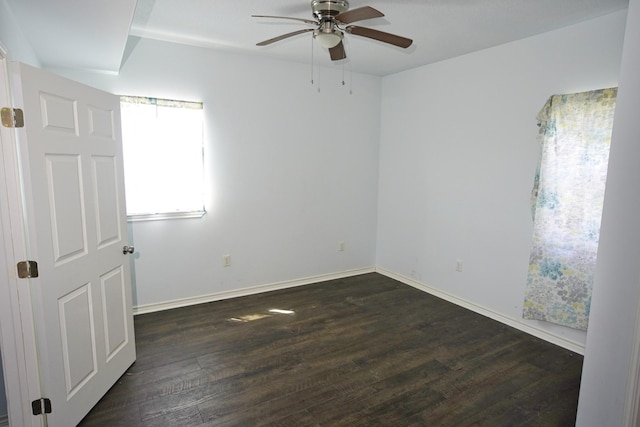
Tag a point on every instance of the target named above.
point(328, 40)
point(332, 19)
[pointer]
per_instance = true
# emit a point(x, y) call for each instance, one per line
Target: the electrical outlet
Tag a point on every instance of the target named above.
point(458, 265)
point(226, 260)
point(341, 246)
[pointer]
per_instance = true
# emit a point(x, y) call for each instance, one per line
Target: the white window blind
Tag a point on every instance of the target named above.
point(163, 158)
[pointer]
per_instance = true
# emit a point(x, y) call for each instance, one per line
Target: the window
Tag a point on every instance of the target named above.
point(163, 158)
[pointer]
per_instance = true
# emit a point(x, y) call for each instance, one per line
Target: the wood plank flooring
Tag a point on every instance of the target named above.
point(360, 351)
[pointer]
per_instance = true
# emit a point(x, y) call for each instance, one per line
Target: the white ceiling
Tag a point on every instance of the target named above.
point(93, 34)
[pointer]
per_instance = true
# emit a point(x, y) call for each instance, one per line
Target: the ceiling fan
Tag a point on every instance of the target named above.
point(332, 19)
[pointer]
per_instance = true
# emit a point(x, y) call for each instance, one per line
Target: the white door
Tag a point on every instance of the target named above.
point(71, 157)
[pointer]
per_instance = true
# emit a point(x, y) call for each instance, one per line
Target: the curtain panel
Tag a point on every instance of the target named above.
point(567, 200)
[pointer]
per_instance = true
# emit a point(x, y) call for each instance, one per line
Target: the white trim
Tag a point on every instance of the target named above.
point(184, 302)
point(166, 215)
point(632, 400)
point(18, 335)
point(515, 323)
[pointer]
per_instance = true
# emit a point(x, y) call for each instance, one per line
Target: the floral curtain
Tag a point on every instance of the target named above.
point(567, 200)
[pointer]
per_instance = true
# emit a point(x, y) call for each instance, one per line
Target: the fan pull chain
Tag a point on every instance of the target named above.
point(312, 60)
point(313, 64)
point(350, 77)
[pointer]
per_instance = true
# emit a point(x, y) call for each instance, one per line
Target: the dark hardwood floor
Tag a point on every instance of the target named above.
point(361, 351)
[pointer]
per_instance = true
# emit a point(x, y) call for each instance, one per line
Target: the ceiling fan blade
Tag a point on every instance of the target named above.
point(284, 36)
point(359, 14)
point(337, 52)
point(380, 36)
point(306, 21)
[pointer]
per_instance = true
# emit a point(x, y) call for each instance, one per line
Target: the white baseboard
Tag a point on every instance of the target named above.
point(184, 302)
point(515, 323)
point(4, 420)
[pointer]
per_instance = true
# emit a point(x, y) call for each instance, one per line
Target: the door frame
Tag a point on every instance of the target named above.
point(17, 333)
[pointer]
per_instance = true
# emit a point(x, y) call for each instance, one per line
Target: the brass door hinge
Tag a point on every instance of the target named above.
point(27, 269)
point(12, 117)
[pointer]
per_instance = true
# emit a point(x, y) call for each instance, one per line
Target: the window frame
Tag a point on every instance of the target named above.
point(169, 215)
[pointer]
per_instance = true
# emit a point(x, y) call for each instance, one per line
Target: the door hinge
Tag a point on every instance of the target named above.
point(27, 269)
point(41, 406)
point(12, 117)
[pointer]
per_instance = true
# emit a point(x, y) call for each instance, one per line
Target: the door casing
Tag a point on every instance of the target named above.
point(17, 334)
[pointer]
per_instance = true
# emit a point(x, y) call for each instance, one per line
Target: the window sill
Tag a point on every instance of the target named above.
point(166, 215)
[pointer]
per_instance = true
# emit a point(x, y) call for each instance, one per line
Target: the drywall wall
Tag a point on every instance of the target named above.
point(458, 155)
point(290, 171)
point(3, 395)
point(613, 323)
point(12, 37)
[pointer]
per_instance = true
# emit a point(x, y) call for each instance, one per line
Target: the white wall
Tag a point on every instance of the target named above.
point(3, 396)
point(291, 172)
point(458, 155)
point(613, 322)
point(11, 36)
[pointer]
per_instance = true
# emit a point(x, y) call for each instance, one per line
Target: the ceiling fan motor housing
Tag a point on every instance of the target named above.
point(326, 9)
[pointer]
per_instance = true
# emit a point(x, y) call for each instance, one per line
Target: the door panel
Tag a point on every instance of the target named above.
point(66, 201)
point(114, 312)
point(107, 208)
point(74, 190)
point(78, 338)
point(101, 123)
point(59, 114)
